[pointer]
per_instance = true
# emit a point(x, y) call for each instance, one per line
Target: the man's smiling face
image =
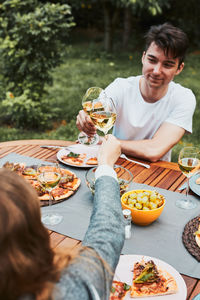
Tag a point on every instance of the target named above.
point(159, 69)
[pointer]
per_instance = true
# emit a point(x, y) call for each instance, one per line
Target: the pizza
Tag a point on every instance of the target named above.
point(67, 186)
point(74, 158)
point(79, 159)
point(148, 280)
point(119, 290)
point(197, 235)
point(92, 161)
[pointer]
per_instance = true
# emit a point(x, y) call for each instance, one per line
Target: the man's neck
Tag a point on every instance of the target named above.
point(151, 95)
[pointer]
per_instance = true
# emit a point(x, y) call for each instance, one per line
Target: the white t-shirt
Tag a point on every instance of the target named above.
point(138, 119)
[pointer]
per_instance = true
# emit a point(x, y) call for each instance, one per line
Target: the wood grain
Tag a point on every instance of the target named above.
point(161, 174)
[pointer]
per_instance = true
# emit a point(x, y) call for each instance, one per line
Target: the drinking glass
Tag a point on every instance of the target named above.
point(188, 162)
point(90, 101)
point(49, 175)
point(105, 116)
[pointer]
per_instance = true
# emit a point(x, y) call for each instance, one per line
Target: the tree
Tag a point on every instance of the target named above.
point(32, 36)
point(112, 10)
point(32, 39)
point(130, 8)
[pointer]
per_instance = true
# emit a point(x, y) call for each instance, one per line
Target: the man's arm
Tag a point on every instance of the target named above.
point(153, 149)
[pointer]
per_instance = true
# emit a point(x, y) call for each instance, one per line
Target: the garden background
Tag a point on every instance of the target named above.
point(52, 51)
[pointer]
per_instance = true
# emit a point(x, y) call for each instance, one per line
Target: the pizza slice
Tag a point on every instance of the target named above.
point(16, 167)
point(74, 158)
point(39, 189)
point(148, 280)
point(119, 290)
point(30, 172)
point(92, 161)
point(69, 180)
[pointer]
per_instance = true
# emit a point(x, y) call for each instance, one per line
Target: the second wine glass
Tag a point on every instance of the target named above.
point(49, 175)
point(90, 102)
point(188, 162)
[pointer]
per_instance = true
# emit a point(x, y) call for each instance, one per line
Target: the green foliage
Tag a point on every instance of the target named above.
point(154, 7)
point(86, 65)
point(23, 112)
point(32, 36)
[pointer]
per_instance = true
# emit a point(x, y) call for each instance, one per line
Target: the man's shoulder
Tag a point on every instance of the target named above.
point(181, 97)
point(178, 88)
point(132, 80)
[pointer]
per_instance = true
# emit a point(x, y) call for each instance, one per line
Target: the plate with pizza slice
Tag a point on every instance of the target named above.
point(78, 155)
point(67, 186)
point(148, 277)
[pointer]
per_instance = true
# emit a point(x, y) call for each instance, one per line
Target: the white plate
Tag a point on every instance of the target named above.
point(90, 151)
point(124, 273)
point(195, 187)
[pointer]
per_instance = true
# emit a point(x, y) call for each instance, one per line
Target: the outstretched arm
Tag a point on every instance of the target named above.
point(153, 149)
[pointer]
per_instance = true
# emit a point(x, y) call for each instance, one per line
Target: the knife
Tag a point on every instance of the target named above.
point(52, 147)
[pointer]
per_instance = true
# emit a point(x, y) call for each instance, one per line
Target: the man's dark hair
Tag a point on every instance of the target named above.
point(172, 40)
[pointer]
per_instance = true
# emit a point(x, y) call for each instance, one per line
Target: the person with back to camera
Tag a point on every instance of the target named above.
point(153, 112)
point(30, 269)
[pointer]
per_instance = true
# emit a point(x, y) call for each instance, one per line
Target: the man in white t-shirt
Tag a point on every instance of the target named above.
point(153, 112)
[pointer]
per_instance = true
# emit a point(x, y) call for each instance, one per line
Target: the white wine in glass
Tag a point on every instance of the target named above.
point(105, 117)
point(103, 120)
point(49, 175)
point(90, 102)
point(188, 162)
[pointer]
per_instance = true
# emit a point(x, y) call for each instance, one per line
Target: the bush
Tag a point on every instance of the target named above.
point(32, 36)
point(23, 112)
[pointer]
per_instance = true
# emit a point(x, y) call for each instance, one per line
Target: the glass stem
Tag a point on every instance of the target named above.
point(188, 187)
point(50, 199)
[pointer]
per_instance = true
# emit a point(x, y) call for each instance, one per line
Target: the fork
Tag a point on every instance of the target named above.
point(136, 162)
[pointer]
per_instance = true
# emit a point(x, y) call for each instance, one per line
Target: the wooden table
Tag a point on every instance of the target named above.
point(161, 174)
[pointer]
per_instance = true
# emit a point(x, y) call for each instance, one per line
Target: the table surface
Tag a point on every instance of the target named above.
point(161, 174)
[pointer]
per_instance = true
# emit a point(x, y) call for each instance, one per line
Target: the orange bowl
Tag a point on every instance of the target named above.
point(150, 205)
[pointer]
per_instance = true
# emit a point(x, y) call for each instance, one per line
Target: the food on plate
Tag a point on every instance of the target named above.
point(79, 159)
point(198, 181)
point(197, 235)
point(67, 186)
point(119, 290)
point(122, 185)
point(144, 200)
point(92, 161)
point(149, 280)
point(74, 158)
point(124, 177)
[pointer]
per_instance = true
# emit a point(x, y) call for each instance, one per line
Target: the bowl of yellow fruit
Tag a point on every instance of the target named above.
point(146, 206)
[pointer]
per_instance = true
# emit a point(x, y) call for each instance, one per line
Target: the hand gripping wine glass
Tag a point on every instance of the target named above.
point(90, 102)
point(49, 175)
point(189, 163)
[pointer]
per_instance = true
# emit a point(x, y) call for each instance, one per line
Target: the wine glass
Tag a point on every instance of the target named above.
point(105, 117)
point(90, 101)
point(188, 162)
point(49, 175)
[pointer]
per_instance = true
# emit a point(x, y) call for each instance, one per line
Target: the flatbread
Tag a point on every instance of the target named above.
point(119, 290)
point(74, 158)
point(92, 161)
point(79, 159)
point(154, 282)
point(67, 186)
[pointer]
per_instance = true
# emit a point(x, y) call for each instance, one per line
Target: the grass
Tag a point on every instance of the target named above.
point(86, 64)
